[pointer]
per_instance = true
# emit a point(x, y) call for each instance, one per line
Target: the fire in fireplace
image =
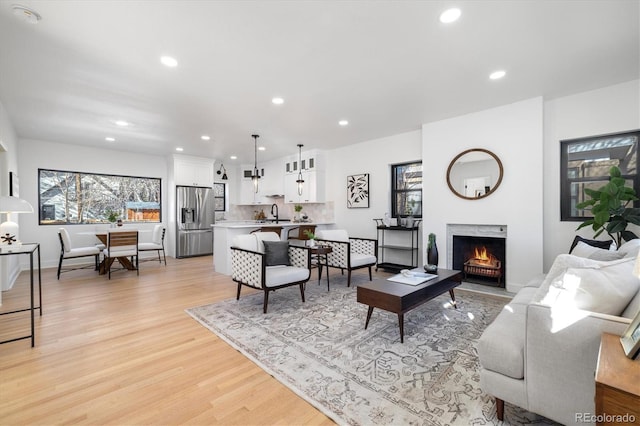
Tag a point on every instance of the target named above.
point(481, 259)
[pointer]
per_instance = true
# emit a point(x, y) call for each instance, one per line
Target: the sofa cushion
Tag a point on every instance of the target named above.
point(595, 243)
point(501, 346)
point(590, 252)
point(359, 259)
point(579, 283)
point(278, 275)
point(276, 253)
point(245, 242)
point(333, 235)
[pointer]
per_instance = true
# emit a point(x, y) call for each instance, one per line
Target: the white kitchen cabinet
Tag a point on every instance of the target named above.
point(313, 188)
point(193, 171)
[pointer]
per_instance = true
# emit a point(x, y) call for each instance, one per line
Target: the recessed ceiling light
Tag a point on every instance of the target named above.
point(234, 157)
point(26, 14)
point(277, 101)
point(450, 15)
point(179, 149)
point(110, 139)
point(168, 61)
point(205, 137)
point(496, 75)
point(262, 148)
point(343, 122)
point(122, 123)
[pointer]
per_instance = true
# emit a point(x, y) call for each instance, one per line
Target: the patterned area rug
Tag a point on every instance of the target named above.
point(321, 351)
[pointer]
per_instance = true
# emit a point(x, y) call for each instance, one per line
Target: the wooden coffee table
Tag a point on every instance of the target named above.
point(401, 298)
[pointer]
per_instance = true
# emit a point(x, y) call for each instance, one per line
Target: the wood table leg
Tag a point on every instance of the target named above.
point(366, 324)
point(453, 299)
point(401, 324)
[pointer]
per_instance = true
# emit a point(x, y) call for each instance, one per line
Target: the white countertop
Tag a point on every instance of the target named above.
point(254, 224)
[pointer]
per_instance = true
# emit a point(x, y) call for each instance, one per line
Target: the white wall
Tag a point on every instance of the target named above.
point(48, 155)
point(374, 157)
point(608, 110)
point(9, 265)
point(514, 133)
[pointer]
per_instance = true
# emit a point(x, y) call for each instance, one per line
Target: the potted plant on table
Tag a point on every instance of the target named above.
point(298, 209)
point(112, 217)
point(610, 208)
point(312, 238)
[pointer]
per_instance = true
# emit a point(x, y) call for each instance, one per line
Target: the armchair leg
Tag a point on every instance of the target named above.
point(500, 409)
point(59, 266)
point(302, 291)
point(266, 300)
point(349, 278)
point(370, 278)
point(238, 294)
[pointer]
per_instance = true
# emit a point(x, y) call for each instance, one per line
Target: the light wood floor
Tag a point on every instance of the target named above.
point(124, 352)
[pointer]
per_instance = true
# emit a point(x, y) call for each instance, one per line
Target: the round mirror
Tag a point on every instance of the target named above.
point(474, 174)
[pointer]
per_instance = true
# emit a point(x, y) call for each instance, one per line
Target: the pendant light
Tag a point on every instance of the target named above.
point(256, 175)
point(300, 181)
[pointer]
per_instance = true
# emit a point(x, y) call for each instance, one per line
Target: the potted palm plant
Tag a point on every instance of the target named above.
point(612, 209)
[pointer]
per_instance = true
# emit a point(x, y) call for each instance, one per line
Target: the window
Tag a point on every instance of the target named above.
point(406, 189)
point(219, 196)
point(585, 163)
point(67, 198)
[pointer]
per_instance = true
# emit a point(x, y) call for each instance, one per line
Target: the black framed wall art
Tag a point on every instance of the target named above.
point(358, 191)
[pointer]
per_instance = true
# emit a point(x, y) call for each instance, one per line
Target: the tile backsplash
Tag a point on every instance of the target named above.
point(317, 212)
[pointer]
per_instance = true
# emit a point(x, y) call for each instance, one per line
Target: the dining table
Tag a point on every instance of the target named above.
point(103, 236)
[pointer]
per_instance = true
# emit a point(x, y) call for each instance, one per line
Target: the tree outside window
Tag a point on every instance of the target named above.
point(67, 197)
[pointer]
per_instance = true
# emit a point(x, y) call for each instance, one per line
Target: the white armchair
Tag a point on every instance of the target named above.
point(348, 253)
point(67, 251)
point(260, 260)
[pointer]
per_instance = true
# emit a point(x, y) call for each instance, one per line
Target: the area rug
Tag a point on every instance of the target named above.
point(321, 351)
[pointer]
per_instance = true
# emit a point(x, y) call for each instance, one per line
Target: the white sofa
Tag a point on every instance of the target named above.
point(540, 353)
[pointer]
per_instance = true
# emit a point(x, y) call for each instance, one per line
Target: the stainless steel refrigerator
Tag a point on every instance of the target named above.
point(194, 217)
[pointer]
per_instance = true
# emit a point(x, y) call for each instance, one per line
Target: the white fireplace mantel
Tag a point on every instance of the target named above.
point(471, 230)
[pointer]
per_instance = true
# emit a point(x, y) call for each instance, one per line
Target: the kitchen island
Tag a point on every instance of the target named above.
point(225, 231)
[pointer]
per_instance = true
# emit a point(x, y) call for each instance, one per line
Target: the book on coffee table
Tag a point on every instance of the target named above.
point(414, 279)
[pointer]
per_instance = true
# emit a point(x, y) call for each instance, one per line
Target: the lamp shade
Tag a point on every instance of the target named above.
point(10, 204)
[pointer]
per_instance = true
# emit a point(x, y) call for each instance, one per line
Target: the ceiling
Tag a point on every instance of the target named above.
point(385, 66)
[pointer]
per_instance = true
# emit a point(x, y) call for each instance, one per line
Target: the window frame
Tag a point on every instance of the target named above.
point(565, 181)
point(96, 222)
point(395, 190)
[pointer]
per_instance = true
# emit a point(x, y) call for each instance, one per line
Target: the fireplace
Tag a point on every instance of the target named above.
point(483, 249)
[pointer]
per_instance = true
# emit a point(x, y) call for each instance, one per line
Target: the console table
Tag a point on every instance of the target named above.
point(617, 384)
point(26, 249)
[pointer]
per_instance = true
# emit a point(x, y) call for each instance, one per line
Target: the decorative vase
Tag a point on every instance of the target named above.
point(119, 222)
point(432, 254)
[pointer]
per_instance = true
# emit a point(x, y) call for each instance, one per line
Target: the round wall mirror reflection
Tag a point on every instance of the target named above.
point(475, 173)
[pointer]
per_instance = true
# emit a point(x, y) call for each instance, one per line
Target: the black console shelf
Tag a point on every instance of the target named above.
point(411, 249)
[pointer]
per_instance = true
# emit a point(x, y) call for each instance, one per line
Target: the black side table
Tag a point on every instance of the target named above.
point(320, 253)
point(30, 249)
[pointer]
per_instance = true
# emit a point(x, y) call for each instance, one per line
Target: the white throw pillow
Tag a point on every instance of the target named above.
point(585, 250)
point(630, 248)
point(578, 283)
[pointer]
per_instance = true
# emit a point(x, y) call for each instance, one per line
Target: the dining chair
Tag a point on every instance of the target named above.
point(122, 245)
point(67, 251)
point(156, 244)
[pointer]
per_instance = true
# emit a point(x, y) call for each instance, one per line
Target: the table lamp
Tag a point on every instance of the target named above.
point(9, 229)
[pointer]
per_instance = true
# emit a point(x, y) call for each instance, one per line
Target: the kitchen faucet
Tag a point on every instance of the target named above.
point(276, 213)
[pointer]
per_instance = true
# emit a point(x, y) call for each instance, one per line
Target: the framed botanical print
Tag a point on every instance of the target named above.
point(358, 191)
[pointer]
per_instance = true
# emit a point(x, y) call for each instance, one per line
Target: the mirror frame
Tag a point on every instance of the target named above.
point(457, 157)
